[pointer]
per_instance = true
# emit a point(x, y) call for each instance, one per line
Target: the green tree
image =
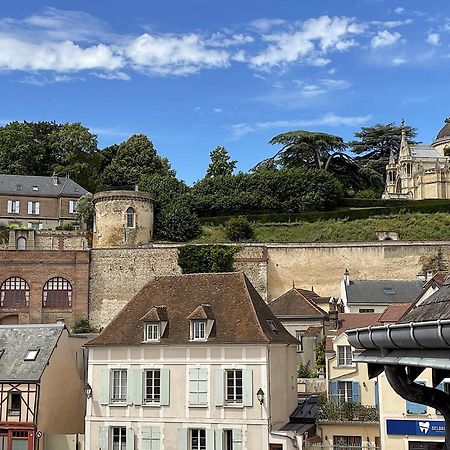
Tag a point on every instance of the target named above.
point(378, 141)
point(176, 222)
point(238, 229)
point(131, 161)
point(85, 211)
point(206, 258)
point(220, 164)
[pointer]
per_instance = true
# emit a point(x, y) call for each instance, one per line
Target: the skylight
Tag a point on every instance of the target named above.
point(272, 326)
point(389, 291)
point(31, 355)
point(35, 188)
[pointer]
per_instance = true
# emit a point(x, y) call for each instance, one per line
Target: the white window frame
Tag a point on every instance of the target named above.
point(344, 355)
point(199, 330)
point(152, 331)
point(201, 435)
point(155, 388)
point(122, 433)
point(33, 208)
point(232, 383)
point(299, 335)
point(72, 206)
point(13, 207)
point(119, 385)
point(345, 391)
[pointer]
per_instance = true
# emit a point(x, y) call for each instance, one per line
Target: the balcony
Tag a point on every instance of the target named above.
point(338, 410)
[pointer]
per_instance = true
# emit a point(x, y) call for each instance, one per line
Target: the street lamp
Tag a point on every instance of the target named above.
point(260, 396)
point(88, 390)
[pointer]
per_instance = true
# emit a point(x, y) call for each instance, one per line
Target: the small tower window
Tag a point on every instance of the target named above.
point(130, 218)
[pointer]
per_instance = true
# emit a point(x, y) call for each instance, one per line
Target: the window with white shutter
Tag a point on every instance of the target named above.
point(198, 386)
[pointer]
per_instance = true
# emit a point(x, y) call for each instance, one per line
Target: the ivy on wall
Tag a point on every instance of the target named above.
point(206, 258)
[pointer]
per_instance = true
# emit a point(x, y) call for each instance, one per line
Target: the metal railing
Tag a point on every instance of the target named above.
point(341, 447)
point(338, 410)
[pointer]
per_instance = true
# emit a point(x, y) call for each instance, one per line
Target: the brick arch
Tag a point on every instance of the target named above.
point(57, 292)
point(14, 293)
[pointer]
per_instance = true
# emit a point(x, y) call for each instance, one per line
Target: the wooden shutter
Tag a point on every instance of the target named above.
point(104, 390)
point(183, 438)
point(165, 387)
point(377, 395)
point(130, 439)
point(247, 383)
point(416, 408)
point(193, 386)
point(136, 376)
point(219, 380)
point(130, 392)
point(30, 207)
point(356, 395)
point(334, 392)
point(151, 438)
point(218, 434)
point(237, 439)
point(103, 438)
point(209, 439)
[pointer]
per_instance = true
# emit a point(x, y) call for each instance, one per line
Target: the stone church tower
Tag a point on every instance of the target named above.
point(122, 219)
point(421, 171)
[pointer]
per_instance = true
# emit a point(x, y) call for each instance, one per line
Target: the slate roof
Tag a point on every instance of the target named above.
point(382, 292)
point(445, 131)
point(65, 188)
point(425, 151)
point(16, 340)
point(240, 314)
point(297, 303)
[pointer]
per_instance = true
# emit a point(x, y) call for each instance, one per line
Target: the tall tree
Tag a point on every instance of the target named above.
point(131, 161)
point(220, 164)
point(378, 141)
point(306, 148)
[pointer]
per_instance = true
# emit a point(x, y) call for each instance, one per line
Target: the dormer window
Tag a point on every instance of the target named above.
point(152, 331)
point(199, 330)
point(35, 188)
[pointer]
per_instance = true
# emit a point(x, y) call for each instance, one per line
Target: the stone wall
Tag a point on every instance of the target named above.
point(117, 274)
point(45, 239)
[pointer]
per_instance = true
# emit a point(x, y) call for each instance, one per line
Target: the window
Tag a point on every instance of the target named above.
point(152, 386)
point(35, 188)
point(233, 386)
point(347, 442)
point(272, 326)
point(33, 208)
point(35, 226)
point(198, 386)
point(366, 310)
point(14, 401)
point(21, 243)
point(345, 355)
point(18, 187)
point(228, 439)
point(152, 331)
point(345, 391)
point(14, 292)
point(13, 207)
point(130, 218)
point(389, 291)
point(299, 335)
point(31, 355)
point(199, 329)
point(57, 292)
point(72, 206)
point(119, 385)
point(198, 439)
point(119, 438)
point(416, 408)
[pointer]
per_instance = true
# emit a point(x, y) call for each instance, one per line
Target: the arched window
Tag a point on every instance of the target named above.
point(14, 292)
point(57, 292)
point(130, 217)
point(21, 243)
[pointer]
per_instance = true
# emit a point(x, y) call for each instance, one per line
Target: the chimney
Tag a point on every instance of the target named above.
point(429, 275)
point(55, 179)
point(333, 314)
point(346, 277)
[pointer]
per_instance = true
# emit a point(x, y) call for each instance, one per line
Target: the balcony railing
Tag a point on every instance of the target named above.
point(346, 411)
point(341, 447)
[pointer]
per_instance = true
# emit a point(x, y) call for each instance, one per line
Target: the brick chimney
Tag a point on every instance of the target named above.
point(346, 277)
point(333, 314)
point(55, 179)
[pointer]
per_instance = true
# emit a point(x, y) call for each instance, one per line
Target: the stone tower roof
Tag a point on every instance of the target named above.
point(445, 131)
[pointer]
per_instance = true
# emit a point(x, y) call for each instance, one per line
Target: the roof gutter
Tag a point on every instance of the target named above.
point(415, 335)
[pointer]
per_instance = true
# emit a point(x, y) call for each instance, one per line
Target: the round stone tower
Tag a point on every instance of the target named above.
point(122, 219)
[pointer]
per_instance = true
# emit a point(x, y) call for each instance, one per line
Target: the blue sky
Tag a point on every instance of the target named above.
point(195, 74)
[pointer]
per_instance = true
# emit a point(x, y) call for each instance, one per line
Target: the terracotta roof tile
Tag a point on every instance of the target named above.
point(297, 303)
point(240, 313)
point(394, 312)
point(349, 321)
point(155, 314)
point(202, 312)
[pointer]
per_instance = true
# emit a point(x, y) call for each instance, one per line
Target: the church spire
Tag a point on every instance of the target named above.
point(405, 151)
point(391, 159)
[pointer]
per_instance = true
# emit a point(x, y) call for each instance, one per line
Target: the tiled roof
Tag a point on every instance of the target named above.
point(240, 314)
point(394, 312)
point(17, 340)
point(382, 291)
point(46, 187)
point(297, 303)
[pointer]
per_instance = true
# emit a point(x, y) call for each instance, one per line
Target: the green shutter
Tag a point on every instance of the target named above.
point(237, 439)
point(136, 394)
point(209, 439)
point(193, 386)
point(129, 388)
point(247, 382)
point(165, 387)
point(203, 386)
point(130, 439)
point(219, 439)
point(103, 438)
point(151, 438)
point(104, 391)
point(183, 438)
point(219, 387)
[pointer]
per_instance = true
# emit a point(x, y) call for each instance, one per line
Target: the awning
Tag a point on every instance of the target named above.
point(299, 428)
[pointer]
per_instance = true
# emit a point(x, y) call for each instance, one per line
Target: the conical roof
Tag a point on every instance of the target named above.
point(445, 131)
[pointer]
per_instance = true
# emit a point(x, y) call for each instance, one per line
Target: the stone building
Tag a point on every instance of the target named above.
point(421, 171)
point(38, 202)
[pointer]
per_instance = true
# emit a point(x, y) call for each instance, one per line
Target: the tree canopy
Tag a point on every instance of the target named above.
point(220, 164)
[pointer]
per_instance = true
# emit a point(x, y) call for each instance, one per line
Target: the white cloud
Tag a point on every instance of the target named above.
point(217, 110)
point(399, 10)
point(385, 39)
point(224, 40)
point(328, 120)
point(398, 61)
point(264, 25)
point(123, 76)
point(434, 38)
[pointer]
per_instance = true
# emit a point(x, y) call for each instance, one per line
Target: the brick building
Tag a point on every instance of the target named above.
point(43, 286)
point(38, 202)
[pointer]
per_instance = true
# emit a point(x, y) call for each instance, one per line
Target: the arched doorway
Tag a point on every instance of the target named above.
point(21, 243)
point(12, 319)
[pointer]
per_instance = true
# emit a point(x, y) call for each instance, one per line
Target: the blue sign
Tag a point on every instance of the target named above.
point(416, 427)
